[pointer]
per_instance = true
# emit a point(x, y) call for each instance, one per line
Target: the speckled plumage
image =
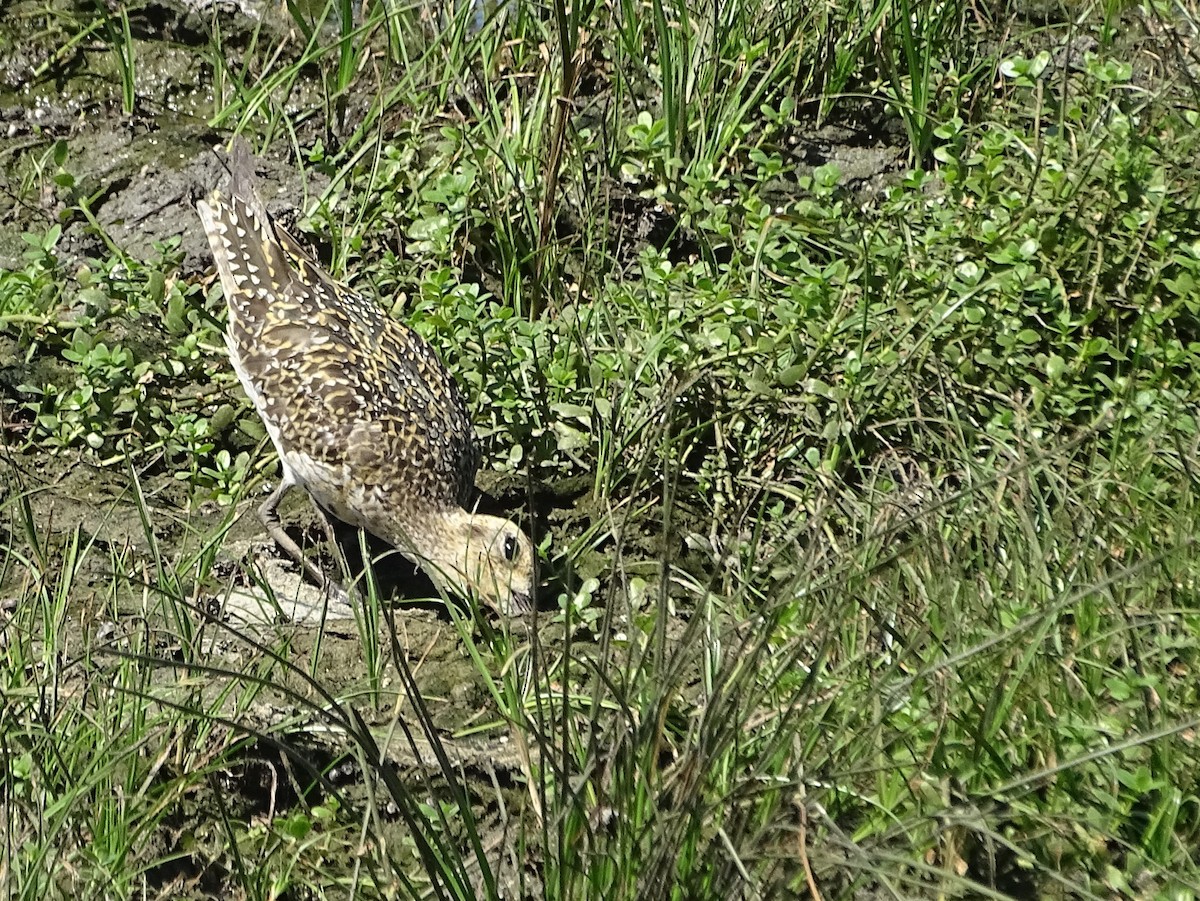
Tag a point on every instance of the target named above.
point(362, 412)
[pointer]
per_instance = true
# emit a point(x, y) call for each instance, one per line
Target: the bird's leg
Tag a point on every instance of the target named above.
point(331, 536)
point(269, 514)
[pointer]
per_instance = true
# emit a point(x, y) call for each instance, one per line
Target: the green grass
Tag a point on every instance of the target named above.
point(884, 583)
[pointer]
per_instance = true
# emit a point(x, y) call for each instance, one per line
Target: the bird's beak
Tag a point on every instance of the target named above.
point(522, 602)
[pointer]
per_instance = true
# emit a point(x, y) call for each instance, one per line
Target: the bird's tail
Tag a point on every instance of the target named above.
point(245, 246)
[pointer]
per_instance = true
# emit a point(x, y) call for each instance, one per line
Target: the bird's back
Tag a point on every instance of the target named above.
point(353, 399)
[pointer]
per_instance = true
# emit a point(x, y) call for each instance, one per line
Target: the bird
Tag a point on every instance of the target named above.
point(364, 415)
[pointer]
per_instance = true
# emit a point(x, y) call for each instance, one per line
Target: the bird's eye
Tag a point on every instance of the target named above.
point(510, 548)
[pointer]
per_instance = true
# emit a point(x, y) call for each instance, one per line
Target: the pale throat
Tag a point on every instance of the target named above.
point(437, 537)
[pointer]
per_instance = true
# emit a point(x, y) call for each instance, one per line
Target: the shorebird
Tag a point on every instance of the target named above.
point(364, 415)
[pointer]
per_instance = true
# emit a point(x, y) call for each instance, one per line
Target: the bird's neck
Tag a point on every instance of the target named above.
point(439, 541)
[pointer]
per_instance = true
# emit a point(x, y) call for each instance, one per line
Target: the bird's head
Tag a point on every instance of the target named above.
point(487, 557)
point(498, 562)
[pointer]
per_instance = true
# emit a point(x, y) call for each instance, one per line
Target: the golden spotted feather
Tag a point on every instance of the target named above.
point(362, 412)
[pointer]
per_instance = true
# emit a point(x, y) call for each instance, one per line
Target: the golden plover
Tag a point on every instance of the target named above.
point(362, 412)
